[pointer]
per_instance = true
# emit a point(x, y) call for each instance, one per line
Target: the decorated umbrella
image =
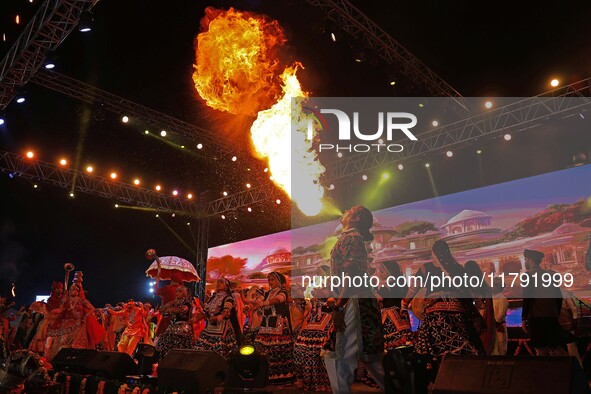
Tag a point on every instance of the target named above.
point(173, 267)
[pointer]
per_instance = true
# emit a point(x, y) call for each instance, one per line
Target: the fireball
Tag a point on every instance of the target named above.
point(238, 71)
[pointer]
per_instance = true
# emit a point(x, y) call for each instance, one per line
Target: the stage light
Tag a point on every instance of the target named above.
point(223, 216)
point(435, 123)
point(35, 186)
point(113, 175)
point(225, 194)
point(175, 193)
point(136, 181)
point(146, 132)
point(85, 22)
point(427, 165)
point(199, 146)
point(248, 185)
point(234, 158)
point(247, 369)
point(125, 119)
point(157, 215)
point(188, 224)
point(182, 146)
point(333, 37)
point(249, 209)
point(89, 169)
point(385, 176)
point(392, 83)
point(331, 187)
point(163, 133)
point(71, 195)
point(449, 153)
point(173, 215)
point(17, 19)
point(400, 167)
point(49, 62)
point(30, 154)
point(151, 290)
point(20, 95)
point(278, 201)
point(116, 205)
point(364, 177)
point(555, 82)
point(189, 196)
point(479, 151)
point(507, 137)
point(339, 155)
point(158, 187)
point(421, 105)
point(488, 105)
point(63, 162)
point(146, 356)
point(2, 121)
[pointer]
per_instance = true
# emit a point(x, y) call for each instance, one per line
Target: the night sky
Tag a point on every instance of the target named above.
point(143, 51)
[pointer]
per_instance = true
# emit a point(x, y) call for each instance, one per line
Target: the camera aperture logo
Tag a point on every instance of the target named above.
point(388, 123)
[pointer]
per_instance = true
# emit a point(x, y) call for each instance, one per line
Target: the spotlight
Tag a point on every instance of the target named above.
point(331, 187)
point(364, 177)
point(85, 22)
point(278, 201)
point(163, 133)
point(507, 137)
point(136, 181)
point(147, 132)
point(182, 146)
point(234, 158)
point(125, 119)
point(2, 121)
point(400, 167)
point(223, 216)
point(479, 151)
point(89, 169)
point(385, 176)
point(35, 186)
point(248, 185)
point(225, 194)
point(339, 154)
point(555, 82)
point(71, 194)
point(359, 55)
point(63, 162)
point(158, 187)
point(249, 209)
point(49, 62)
point(199, 146)
point(247, 369)
point(435, 123)
point(30, 154)
point(113, 175)
point(146, 356)
point(488, 105)
point(449, 153)
point(427, 165)
point(189, 196)
point(333, 37)
point(20, 96)
point(175, 193)
point(116, 205)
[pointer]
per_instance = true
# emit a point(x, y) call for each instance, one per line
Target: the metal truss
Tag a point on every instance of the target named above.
point(119, 105)
point(515, 117)
point(202, 249)
point(78, 181)
point(355, 23)
point(48, 28)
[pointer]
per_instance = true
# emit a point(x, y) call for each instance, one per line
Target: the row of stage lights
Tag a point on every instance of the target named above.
point(63, 162)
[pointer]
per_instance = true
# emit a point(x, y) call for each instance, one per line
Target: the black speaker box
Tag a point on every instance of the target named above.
point(112, 365)
point(510, 375)
point(73, 360)
point(197, 371)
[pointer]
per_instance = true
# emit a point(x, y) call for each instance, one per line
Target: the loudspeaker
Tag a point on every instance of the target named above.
point(193, 370)
point(510, 375)
point(112, 365)
point(73, 360)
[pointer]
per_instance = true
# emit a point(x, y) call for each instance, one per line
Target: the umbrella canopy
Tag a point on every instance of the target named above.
point(172, 267)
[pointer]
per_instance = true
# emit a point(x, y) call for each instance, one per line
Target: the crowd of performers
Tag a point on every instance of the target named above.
point(317, 343)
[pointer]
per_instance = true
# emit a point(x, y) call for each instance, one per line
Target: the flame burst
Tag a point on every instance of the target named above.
point(237, 67)
point(238, 71)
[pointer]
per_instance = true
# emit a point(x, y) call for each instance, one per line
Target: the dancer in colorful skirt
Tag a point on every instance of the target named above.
point(179, 334)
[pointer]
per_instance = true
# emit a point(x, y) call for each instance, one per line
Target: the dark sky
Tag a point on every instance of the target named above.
point(143, 51)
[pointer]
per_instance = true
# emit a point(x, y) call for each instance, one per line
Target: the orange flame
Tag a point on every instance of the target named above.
point(238, 71)
point(237, 66)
